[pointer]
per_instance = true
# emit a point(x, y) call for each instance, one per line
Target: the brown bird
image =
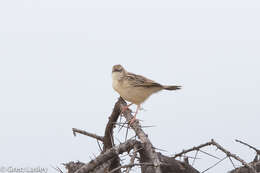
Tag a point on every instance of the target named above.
point(135, 88)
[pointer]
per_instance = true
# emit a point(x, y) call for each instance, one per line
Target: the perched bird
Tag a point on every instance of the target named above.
point(135, 88)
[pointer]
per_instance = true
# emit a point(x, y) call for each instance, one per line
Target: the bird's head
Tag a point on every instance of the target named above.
point(118, 71)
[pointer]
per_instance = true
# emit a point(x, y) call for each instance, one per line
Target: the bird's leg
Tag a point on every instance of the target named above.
point(134, 118)
point(125, 108)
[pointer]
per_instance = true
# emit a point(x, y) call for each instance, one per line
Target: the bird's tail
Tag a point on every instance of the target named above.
point(171, 87)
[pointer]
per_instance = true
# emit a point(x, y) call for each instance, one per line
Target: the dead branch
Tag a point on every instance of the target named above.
point(100, 138)
point(109, 154)
point(211, 155)
point(132, 160)
point(250, 146)
point(196, 148)
point(57, 169)
point(108, 136)
point(229, 154)
point(149, 160)
point(214, 164)
point(151, 155)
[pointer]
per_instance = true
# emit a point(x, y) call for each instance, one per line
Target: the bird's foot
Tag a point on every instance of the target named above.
point(124, 108)
point(132, 120)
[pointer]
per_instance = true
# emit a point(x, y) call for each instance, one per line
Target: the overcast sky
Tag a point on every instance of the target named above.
point(55, 74)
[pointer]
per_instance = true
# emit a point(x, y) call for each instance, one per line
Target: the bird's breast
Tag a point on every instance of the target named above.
point(115, 85)
point(136, 95)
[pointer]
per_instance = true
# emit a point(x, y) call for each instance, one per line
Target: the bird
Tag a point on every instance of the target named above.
point(135, 88)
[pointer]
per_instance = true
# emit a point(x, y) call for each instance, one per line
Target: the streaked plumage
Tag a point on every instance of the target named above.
point(135, 88)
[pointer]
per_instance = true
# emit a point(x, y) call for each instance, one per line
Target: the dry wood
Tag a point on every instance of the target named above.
point(100, 138)
point(229, 154)
point(196, 148)
point(109, 154)
point(109, 136)
point(132, 160)
point(149, 150)
point(250, 146)
point(150, 161)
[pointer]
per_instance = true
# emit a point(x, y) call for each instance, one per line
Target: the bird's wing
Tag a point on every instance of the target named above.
point(140, 81)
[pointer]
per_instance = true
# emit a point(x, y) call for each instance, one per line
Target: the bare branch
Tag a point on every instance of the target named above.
point(101, 138)
point(214, 164)
point(132, 160)
point(100, 149)
point(232, 162)
point(192, 149)
point(152, 155)
point(57, 169)
point(250, 146)
point(211, 155)
point(149, 160)
point(229, 154)
point(195, 157)
point(108, 137)
point(109, 154)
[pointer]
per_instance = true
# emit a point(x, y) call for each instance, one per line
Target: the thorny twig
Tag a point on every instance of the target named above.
point(192, 149)
point(100, 138)
point(214, 164)
point(100, 149)
point(143, 138)
point(132, 160)
point(57, 169)
point(211, 155)
point(111, 151)
point(228, 153)
point(195, 157)
point(109, 154)
point(250, 146)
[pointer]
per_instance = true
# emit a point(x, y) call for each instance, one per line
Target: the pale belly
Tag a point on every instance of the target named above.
point(136, 95)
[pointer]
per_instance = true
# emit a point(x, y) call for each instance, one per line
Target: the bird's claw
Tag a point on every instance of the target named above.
point(124, 109)
point(132, 120)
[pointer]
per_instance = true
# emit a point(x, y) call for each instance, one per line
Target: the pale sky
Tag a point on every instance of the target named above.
point(56, 58)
